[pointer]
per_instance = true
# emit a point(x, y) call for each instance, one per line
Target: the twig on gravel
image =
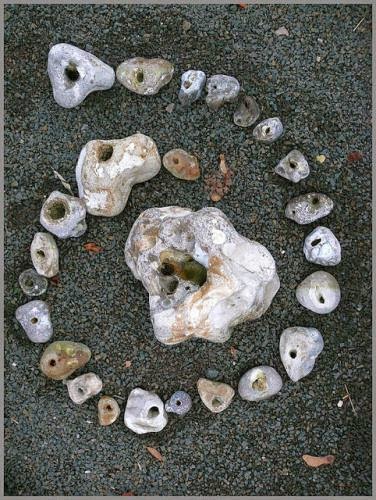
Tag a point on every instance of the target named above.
point(349, 397)
point(359, 23)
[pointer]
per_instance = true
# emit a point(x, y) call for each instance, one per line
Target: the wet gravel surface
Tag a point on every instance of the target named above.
point(318, 81)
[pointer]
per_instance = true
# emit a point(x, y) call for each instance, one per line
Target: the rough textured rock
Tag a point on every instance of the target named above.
point(64, 215)
point(293, 167)
point(308, 207)
point(60, 359)
point(192, 84)
point(108, 410)
point(261, 382)
point(74, 74)
point(35, 320)
point(216, 396)
point(220, 90)
point(32, 283)
point(299, 347)
point(45, 254)
point(268, 131)
point(106, 171)
point(145, 412)
point(144, 76)
point(84, 387)
point(247, 112)
point(319, 292)
point(181, 164)
point(180, 403)
point(322, 247)
point(203, 278)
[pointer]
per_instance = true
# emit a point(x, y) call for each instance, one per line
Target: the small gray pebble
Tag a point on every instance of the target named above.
point(268, 131)
point(212, 373)
point(32, 283)
point(180, 403)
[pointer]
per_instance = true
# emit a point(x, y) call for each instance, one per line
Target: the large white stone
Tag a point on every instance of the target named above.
point(145, 412)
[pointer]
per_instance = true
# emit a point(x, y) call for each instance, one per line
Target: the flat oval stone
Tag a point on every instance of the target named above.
point(216, 396)
point(108, 410)
point(247, 112)
point(261, 382)
point(308, 207)
point(192, 84)
point(221, 89)
point(293, 167)
point(35, 320)
point(181, 164)
point(144, 76)
point(32, 283)
point(62, 358)
point(319, 292)
point(45, 254)
point(322, 247)
point(268, 131)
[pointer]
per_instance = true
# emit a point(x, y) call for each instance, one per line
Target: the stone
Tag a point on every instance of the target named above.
point(181, 164)
point(322, 247)
point(216, 396)
point(221, 89)
point(45, 254)
point(32, 283)
point(308, 207)
point(293, 167)
point(299, 347)
point(282, 31)
point(268, 131)
point(180, 403)
point(84, 387)
point(319, 292)
point(192, 85)
point(145, 412)
point(34, 318)
point(64, 215)
point(74, 74)
point(212, 373)
point(62, 358)
point(108, 410)
point(203, 278)
point(261, 382)
point(144, 76)
point(107, 170)
point(247, 112)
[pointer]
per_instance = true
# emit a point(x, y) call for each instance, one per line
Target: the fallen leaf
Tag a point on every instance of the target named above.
point(234, 352)
point(282, 31)
point(242, 5)
point(63, 181)
point(155, 453)
point(55, 280)
point(93, 248)
point(128, 364)
point(222, 164)
point(317, 461)
point(354, 156)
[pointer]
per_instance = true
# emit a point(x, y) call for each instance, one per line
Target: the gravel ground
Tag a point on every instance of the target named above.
point(318, 80)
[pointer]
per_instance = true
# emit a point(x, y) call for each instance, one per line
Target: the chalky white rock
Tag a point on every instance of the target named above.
point(319, 292)
point(84, 387)
point(293, 167)
point(203, 278)
point(34, 318)
point(145, 412)
point(299, 347)
point(45, 254)
point(107, 170)
point(261, 382)
point(64, 215)
point(75, 73)
point(322, 247)
point(308, 207)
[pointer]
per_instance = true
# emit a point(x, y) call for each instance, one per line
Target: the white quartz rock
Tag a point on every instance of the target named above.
point(319, 292)
point(322, 247)
point(145, 412)
point(45, 254)
point(74, 74)
point(203, 278)
point(299, 347)
point(35, 320)
point(106, 171)
point(293, 167)
point(64, 215)
point(261, 382)
point(84, 387)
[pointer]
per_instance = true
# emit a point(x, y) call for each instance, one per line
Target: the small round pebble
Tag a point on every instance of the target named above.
point(180, 403)
point(32, 283)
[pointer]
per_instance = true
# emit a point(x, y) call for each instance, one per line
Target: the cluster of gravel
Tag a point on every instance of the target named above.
point(317, 80)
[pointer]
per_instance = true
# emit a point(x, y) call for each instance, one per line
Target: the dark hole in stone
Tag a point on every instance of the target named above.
point(321, 299)
point(267, 130)
point(175, 160)
point(293, 212)
point(80, 390)
point(293, 354)
point(216, 402)
point(71, 72)
point(29, 283)
point(104, 152)
point(140, 76)
point(34, 320)
point(292, 164)
point(56, 210)
point(187, 85)
point(41, 254)
point(167, 269)
point(108, 407)
point(315, 242)
point(315, 200)
point(153, 412)
point(52, 362)
point(246, 103)
point(187, 288)
point(214, 87)
point(178, 403)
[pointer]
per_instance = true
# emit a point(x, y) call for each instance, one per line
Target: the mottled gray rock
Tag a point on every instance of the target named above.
point(221, 89)
point(299, 347)
point(247, 112)
point(261, 382)
point(45, 254)
point(75, 73)
point(180, 403)
point(144, 76)
point(32, 283)
point(84, 387)
point(322, 247)
point(293, 167)
point(64, 215)
point(216, 396)
point(268, 131)
point(308, 207)
point(192, 84)
point(145, 412)
point(319, 292)
point(34, 318)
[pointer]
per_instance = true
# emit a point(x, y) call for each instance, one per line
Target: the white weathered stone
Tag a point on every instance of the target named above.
point(144, 76)
point(247, 112)
point(221, 89)
point(84, 387)
point(216, 396)
point(107, 170)
point(145, 412)
point(322, 247)
point(293, 167)
point(35, 320)
point(308, 207)
point(203, 278)
point(75, 73)
point(45, 254)
point(192, 84)
point(64, 215)
point(261, 382)
point(269, 130)
point(319, 292)
point(299, 347)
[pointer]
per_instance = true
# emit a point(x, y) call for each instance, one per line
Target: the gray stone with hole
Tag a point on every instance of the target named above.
point(293, 167)
point(64, 215)
point(32, 283)
point(45, 254)
point(308, 207)
point(268, 131)
point(180, 403)
point(319, 292)
point(34, 318)
point(261, 382)
point(247, 112)
point(322, 247)
point(221, 89)
point(145, 412)
point(192, 84)
point(84, 387)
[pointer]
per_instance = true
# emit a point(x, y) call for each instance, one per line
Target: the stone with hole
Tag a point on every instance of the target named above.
point(216, 396)
point(108, 410)
point(247, 112)
point(32, 283)
point(268, 131)
point(293, 167)
point(180, 403)
point(192, 84)
point(181, 164)
point(64, 215)
point(61, 358)
point(75, 73)
point(221, 89)
point(81, 388)
point(322, 247)
point(261, 382)
point(299, 347)
point(319, 292)
point(35, 319)
point(144, 76)
point(145, 412)
point(45, 254)
point(308, 207)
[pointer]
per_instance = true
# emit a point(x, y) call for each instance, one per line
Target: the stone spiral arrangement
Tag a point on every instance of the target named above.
point(203, 278)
